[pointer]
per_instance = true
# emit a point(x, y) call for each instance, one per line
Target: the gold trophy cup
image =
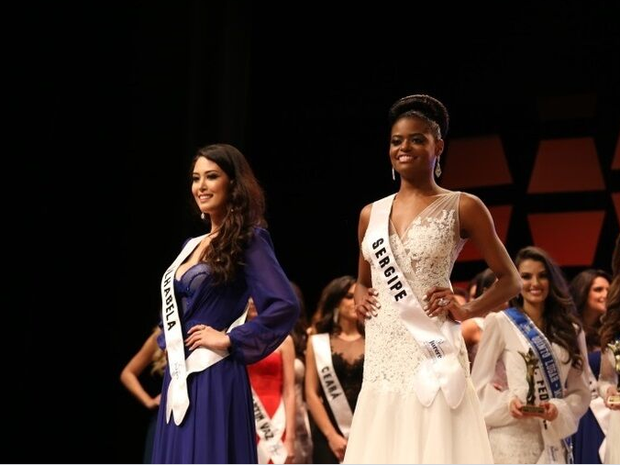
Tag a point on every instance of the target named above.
point(531, 364)
point(615, 350)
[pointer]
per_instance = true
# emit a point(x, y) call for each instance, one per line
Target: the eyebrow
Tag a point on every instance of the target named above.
point(206, 172)
point(398, 134)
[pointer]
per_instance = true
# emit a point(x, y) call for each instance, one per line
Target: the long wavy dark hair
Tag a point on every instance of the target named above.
point(300, 330)
point(610, 327)
point(246, 210)
point(484, 280)
point(559, 317)
point(579, 288)
point(332, 294)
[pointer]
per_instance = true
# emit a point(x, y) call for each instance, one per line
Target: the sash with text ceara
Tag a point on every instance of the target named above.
point(441, 368)
point(269, 431)
point(332, 388)
point(547, 381)
point(200, 359)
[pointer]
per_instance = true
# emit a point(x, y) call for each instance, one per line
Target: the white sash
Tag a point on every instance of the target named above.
point(269, 431)
point(599, 409)
point(554, 446)
point(441, 368)
point(602, 415)
point(200, 359)
point(555, 449)
point(331, 384)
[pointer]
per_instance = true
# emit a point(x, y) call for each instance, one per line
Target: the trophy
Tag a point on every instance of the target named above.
point(615, 350)
point(531, 364)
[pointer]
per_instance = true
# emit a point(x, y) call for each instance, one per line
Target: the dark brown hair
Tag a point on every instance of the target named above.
point(580, 290)
point(423, 106)
point(246, 210)
point(484, 280)
point(559, 315)
point(331, 296)
point(300, 330)
point(610, 327)
point(610, 322)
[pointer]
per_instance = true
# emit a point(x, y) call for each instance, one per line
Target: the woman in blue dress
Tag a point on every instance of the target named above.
point(589, 290)
point(206, 413)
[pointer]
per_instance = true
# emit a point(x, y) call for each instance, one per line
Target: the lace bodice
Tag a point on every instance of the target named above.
point(426, 256)
point(348, 361)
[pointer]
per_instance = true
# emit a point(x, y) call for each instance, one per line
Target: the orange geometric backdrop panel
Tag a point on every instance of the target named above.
point(475, 162)
point(560, 191)
point(570, 238)
point(564, 165)
point(501, 217)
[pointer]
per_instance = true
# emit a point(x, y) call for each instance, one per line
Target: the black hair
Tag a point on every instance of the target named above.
point(560, 318)
point(424, 106)
point(246, 210)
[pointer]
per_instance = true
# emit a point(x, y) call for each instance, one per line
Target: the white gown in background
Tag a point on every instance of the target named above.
point(521, 440)
point(390, 425)
point(609, 377)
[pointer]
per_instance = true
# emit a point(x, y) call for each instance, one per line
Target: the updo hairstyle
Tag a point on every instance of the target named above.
point(425, 107)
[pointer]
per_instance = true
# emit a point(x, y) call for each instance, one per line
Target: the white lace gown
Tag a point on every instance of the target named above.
point(390, 425)
point(607, 377)
point(521, 441)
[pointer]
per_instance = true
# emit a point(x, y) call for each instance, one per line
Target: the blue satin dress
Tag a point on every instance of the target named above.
point(589, 436)
point(219, 424)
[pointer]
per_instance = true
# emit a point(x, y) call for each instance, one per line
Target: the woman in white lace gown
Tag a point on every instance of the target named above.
point(541, 319)
point(417, 403)
point(608, 387)
point(608, 381)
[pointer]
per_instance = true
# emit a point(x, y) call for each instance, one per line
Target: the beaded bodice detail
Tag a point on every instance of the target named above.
point(425, 254)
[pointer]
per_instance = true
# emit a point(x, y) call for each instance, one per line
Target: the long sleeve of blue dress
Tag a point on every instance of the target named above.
point(276, 303)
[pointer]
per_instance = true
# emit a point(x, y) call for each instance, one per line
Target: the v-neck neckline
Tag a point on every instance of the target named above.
point(406, 230)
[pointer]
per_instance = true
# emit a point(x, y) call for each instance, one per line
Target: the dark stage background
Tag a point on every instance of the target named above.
point(115, 99)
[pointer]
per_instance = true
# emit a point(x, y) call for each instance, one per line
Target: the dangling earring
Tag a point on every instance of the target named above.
point(202, 216)
point(393, 174)
point(437, 168)
point(336, 314)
